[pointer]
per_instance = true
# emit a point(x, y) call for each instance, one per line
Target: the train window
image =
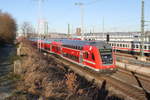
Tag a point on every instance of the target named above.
point(86, 54)
point(76, 47)
point(117, 45)
point(79, 47)
point(123, 45)
point(137, 46)
point(120, 45)
point(93, 57)
point(145, 47)
point(149, 47)
point(133, 46)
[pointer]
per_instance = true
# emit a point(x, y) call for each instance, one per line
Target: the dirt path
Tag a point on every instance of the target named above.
point(5, 67)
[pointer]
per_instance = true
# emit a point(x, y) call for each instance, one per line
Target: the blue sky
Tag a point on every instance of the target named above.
point(119, 15)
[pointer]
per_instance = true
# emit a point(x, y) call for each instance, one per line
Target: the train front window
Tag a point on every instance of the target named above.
point(106, 56)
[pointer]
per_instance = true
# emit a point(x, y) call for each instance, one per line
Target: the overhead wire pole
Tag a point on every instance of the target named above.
point(81, 5)
point(39, 23)
point(103, 28)
point(142, 29)
point(68, 36)
point(39, 18)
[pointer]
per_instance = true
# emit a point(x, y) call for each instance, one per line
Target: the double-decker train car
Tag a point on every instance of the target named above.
point(96, 55)
point(131, 47)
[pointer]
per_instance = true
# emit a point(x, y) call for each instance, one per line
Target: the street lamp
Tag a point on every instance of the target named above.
point(81, 5)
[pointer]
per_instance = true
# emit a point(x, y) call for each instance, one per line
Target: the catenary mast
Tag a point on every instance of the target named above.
point(142, 29)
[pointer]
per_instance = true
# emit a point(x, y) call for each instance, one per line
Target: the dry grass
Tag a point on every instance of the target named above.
point(71, 82)
point(44, 76)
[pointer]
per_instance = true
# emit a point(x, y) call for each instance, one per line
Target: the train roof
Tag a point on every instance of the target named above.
point(130, 42)
point(98, 44)
point(81, 43)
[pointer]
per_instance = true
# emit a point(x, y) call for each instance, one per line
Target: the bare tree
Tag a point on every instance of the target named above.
point(26, 29)
point(8, 28)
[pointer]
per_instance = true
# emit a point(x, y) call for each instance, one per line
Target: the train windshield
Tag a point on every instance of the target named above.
point(106, 55)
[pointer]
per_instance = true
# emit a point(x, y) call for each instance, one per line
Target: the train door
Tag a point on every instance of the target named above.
point(50, 47)
point(81, 57)
point(132, 48)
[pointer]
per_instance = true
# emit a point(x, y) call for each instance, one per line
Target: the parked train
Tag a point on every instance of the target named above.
point(96, 55)
point(131, 47)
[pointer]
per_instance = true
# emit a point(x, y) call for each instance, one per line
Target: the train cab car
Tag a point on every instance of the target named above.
point(99, 56)
point(95, 55)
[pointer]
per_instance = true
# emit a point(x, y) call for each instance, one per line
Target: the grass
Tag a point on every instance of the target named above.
point(11, 76)
point(17, 95)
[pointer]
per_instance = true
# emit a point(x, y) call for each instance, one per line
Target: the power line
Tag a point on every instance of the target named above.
point(92, 2)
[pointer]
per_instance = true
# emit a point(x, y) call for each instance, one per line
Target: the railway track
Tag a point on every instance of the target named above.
point(133, 57)
point(126, 55)
point(132, 61)
point(136, 82)
point(125, 83)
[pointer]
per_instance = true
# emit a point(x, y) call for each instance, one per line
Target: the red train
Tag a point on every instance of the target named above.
point(96, 55)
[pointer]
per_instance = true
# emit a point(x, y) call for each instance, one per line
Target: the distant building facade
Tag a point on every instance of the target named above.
point(117, 36)
point(78, 31)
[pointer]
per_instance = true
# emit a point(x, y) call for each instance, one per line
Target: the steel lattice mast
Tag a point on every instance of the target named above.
point(142, 29)
point(40, 19)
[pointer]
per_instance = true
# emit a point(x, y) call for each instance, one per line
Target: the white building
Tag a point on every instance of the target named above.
point(117, 36)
